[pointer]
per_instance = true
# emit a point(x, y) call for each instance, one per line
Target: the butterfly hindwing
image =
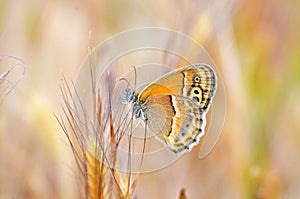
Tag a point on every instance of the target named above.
point(177, 120)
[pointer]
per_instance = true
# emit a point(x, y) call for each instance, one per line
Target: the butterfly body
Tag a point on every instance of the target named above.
point(175, 105)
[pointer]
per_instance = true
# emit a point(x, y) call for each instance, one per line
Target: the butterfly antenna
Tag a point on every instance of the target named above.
point(134, 70)
point(126, 80)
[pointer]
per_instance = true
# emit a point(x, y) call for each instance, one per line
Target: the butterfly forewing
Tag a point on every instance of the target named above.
point(197, 82)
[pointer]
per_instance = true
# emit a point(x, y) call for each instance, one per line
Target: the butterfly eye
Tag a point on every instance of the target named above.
point(129, 95)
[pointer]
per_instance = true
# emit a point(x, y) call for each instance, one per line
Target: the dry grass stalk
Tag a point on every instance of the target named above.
point(94, 149)
point(12, 70)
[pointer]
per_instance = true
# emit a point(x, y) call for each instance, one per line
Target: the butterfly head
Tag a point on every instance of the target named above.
point(138, 107)
point(129, 95)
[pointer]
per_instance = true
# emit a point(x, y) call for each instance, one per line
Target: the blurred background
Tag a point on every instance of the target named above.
point(255, 44)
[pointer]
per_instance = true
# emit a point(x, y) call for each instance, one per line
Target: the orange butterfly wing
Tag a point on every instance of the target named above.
point(177, 104)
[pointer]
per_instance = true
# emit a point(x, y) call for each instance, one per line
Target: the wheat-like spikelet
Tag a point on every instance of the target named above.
point(96, 177)
point(94, 150)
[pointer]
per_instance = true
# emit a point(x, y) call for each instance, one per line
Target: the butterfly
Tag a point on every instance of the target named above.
point(175, 105)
